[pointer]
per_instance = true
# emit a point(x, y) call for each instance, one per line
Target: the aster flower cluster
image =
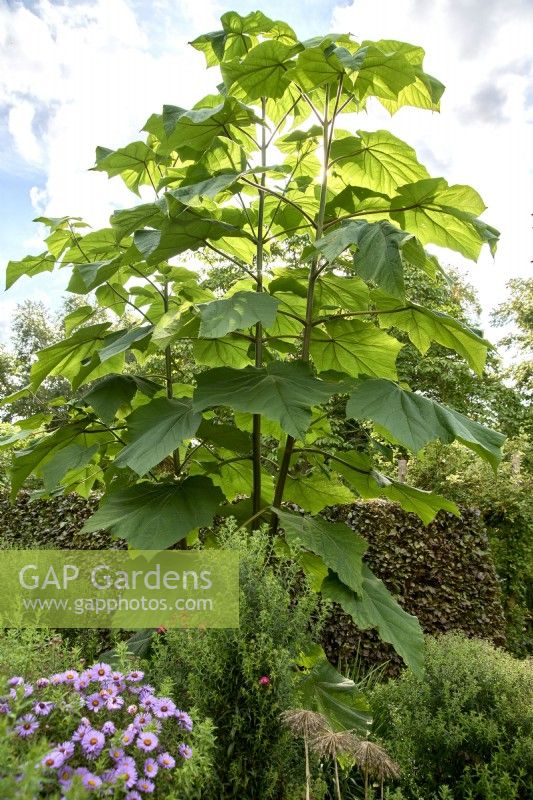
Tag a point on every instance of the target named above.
point(124, 740)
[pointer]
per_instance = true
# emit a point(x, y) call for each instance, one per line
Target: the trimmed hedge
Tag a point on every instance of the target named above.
point(50, 524)
point(442, 573)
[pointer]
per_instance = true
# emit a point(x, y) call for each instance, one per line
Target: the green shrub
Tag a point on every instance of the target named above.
point(465, 728)
point(219, 671)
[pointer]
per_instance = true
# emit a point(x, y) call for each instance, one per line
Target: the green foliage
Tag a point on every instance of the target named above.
point(517, 310)
point(465, 729)
point(218, 671)
point(443, 574)
point(237, 176)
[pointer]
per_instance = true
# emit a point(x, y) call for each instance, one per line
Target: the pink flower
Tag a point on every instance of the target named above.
point(264, 680)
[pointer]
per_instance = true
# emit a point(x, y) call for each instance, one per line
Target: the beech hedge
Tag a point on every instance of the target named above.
point(443, 573)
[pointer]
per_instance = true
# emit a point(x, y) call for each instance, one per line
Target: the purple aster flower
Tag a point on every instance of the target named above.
point(70, 675)
point(147, 741)
point(184, 720)
point(42, 683)
point(16, 680)
point(81, 771)
point(141, 720)
point(43, 708)
point(26, 725)
point(64, 776)
point(91, 781)
point(117, 676)
point(135, 676)
point(185, 751)
point(4, 708)
point(129, 735)
point(109, 776)
point(116, 753)
point(80, 731)
point(127, 771)
point(53, 760)
point(144, 785)
point(164, 707)
point(133, 796)
point(144, 691)
point(58, 678)
point(166, 761)
point(67, 749)
point(150, 767)
point(28, 689)
point(108, 728)
point(94, 702)
point(100, 672)
point(114, 703)
point(92, 743)
point(81, 683)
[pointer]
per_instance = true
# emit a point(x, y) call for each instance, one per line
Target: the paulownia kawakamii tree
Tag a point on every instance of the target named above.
point(276, 152)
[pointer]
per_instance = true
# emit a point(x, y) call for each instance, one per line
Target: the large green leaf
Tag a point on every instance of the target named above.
point(338, 546)
point(261, 73)
point(27, 460)
point(375, 607)
point(378, 161)
point(283, 392)
point(188, 231)
point(210, 187)
point(240, 311)
point(444, 215)
point(231, 351)
point(154, 516)
point(123, 340)
point(425, 505)
point(155, 430)
point(314, 67)
point(356, 468)
point(70, 459)
point(323, 689)
point(377, 257)
point(384, 73)
point(424, 326)
point(30, 266)
point(414, 420)
point(315, 492)
point(135, 163)
point(65, 358)
point(354, 348)
point(227, 436)
point(117, 391)
point(196, 130)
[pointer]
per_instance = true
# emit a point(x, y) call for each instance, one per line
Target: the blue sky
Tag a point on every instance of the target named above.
point(74, 75)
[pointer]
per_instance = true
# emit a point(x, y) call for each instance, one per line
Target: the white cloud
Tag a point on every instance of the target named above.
point(20, 125)
point(481, 50)
point(77, 75)
point(94, 75)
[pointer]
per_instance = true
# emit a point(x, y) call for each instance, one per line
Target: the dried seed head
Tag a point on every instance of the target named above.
point(304, 723)
point(332, 743)
point(374, 760)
